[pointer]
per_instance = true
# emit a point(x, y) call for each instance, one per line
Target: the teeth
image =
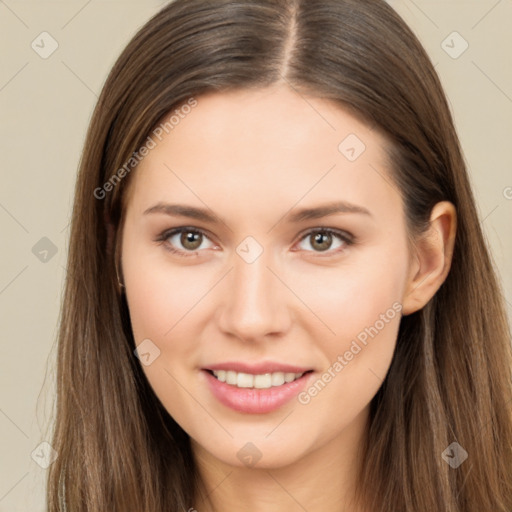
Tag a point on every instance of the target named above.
point(277, 379)
point(245, 380)
point(262, 381)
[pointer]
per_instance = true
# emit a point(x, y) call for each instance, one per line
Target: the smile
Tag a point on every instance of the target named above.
point(251, 393)
point(260, 381)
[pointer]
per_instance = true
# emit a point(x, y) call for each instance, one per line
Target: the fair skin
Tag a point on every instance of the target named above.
point(253, 159)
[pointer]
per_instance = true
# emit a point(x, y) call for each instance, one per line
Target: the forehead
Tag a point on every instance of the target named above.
point(261, 149)
point(264, 124)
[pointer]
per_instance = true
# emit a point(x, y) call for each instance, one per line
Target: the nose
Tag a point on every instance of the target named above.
point(255, 302)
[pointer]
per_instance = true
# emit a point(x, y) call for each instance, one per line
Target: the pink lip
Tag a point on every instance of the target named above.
point(251, 400)
point(257, 368)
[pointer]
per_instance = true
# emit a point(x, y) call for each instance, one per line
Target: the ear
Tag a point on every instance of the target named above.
point(432, 258)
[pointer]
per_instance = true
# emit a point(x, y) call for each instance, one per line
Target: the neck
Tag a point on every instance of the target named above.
point(323, 479)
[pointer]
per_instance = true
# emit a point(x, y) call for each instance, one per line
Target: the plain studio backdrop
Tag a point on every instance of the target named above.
point(55, 58)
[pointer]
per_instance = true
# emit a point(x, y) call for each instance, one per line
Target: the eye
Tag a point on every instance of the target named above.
point(322, 239)
point(184, 240)
point(187, 241)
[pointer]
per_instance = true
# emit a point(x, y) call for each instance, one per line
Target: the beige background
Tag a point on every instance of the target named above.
point(45, 107)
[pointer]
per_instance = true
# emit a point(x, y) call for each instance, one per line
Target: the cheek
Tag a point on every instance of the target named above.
point(356, 359)
point(160, 296)
point(360, 304)
point(354, 294)
point(165, 307)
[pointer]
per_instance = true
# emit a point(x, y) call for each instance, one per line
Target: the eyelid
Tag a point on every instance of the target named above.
point(322, 229)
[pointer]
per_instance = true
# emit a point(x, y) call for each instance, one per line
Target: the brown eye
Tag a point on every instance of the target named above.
point(321, 240)
point(185, 241)
point(191, 240)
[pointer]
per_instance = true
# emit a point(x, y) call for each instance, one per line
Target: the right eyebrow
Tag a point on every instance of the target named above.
point(181, 210)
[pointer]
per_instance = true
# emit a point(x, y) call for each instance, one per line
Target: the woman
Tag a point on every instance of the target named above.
point(278, 295)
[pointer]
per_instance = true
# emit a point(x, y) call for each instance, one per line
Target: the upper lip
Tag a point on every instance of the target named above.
point(257, 368)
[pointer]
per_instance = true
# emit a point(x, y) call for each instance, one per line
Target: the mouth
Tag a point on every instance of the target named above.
point(255, 393)
point(256, 381)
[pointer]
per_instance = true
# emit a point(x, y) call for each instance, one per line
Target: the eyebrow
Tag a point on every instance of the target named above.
point(203, 214)
point(327, 209)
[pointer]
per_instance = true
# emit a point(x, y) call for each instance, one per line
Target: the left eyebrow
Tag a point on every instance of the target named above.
point(327, 209)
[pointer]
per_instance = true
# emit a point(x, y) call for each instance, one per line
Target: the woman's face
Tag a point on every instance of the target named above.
point(292, 259)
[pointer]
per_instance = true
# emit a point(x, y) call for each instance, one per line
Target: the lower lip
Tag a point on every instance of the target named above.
point(255, 401)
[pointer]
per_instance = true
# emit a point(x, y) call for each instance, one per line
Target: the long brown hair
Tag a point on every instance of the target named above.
point(450, 379)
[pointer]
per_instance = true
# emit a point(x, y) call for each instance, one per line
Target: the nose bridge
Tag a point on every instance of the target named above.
point(254, 304)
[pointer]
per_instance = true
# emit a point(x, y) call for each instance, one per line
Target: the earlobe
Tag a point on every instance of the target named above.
point(433, 258)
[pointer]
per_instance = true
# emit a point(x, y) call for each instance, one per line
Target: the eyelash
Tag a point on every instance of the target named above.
point(345, 237)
